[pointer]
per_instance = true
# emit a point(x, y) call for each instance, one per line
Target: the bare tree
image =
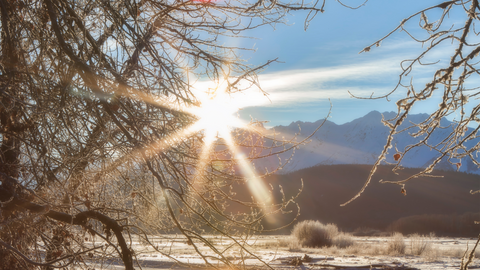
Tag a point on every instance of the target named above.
point(452, 84)
point(99, 135)
point(448, 30)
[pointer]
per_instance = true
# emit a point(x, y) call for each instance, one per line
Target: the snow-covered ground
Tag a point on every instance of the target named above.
point(366, 253)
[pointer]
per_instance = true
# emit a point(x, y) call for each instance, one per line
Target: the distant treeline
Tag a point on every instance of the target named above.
point(326, 187)
point(442, 225)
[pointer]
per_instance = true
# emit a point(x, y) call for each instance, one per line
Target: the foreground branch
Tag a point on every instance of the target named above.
point(80, 219)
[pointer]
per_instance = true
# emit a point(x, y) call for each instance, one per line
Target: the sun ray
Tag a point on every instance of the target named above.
point(255, 185)
point(216, 117)
point(202, 162)
point(158, 146)
point(215, 110)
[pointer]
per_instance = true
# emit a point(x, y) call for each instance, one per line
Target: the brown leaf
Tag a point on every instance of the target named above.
point(404, 192)
point(57, 254)
point(88, 204)
point(397, 156)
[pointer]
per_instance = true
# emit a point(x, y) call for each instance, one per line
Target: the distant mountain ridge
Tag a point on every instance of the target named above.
point(359, 142)
point(325, 187)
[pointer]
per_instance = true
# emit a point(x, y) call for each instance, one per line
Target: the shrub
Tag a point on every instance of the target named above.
point(433, 254)
point(343, 240)
point(419, 244)
point(332, 229)
point(310, 233)
point(396, 245)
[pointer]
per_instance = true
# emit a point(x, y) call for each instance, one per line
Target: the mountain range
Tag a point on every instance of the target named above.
point(334, 165)
point(359, 142)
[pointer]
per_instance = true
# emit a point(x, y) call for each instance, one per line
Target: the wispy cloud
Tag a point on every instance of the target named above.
point(291, 87)
point(362, 78)
point(375, 73)
point(310, 85)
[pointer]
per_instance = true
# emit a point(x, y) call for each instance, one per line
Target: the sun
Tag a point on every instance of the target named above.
point(217, 117)
point(217, 114)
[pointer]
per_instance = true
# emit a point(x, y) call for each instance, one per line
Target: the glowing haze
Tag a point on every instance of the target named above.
point(216, 111)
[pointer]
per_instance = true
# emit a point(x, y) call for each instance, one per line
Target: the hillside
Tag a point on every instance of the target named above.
point(326, 187)
point(359, 142)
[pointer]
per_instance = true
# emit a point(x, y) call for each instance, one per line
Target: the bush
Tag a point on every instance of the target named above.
point(419, 244)
point(343, 240)
point(396, 245)
point(332, 229)
point(310, 233)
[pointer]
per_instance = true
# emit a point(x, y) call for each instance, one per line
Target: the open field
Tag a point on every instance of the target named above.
point(281, 252)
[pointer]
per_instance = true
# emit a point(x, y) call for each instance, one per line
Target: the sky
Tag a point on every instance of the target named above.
point(319, 66)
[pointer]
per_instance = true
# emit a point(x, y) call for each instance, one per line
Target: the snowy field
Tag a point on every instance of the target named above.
point(278, 252)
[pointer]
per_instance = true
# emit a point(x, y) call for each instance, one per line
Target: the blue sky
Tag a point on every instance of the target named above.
point(324, 63)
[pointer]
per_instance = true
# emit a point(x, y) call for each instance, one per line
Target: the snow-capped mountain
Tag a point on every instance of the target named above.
point(359, 142)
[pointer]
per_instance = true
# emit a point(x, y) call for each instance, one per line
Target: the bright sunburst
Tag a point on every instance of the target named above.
point(217, 118)
point(216, 114)
point(216, 111)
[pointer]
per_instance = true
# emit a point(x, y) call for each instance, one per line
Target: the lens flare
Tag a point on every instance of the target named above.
point(216, 113)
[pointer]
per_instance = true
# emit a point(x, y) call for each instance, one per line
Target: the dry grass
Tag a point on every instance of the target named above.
point(396, 245)
point(429, 248)
point(291, 243)
point(355, 249)
point(419, 244)
point(365, 231)
point(270, 244)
